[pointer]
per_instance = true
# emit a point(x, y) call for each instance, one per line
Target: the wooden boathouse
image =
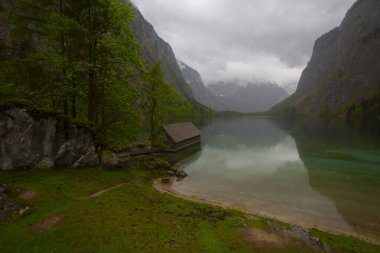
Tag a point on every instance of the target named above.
point(182, 135)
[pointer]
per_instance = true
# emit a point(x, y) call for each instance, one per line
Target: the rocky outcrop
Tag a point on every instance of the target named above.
point(31, 139)
point(155, 49)
point(199, 90)
point(343, 72)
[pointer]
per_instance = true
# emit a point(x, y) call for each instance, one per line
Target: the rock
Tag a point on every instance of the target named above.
point(111, 162)
point(172, 172)
point(181, 174)
point(310, 240)
point(162, 164)
point(22, 211)
point(9, 208)
point(253, 217)
point(165, 180)
point(30, 139)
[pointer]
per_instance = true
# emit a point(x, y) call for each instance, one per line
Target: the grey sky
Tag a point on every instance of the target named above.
point(246, 40)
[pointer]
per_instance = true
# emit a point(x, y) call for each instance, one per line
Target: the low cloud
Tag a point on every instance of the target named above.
point(246, 40)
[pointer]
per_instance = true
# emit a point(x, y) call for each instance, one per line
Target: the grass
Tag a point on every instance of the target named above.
point(131, 218)
point(345, 244)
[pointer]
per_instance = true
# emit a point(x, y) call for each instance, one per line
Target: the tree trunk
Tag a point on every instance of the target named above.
point(152, 120)
point(63, 74)
point(73, 105)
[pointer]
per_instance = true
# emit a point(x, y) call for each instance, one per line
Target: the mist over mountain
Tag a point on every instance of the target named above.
point(229, 96)
point(342, 78)
point(249, 97)
point(224, 89)
point(199, 90)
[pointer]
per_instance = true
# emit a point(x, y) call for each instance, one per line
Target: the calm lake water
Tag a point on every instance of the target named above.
point(315, 174)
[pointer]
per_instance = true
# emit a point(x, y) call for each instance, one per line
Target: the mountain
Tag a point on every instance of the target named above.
point(223, 89)
point(155, 49)
point(189, 82)
point(342, 78)
point(198, 88)
point(229, 96)
point(248, 97)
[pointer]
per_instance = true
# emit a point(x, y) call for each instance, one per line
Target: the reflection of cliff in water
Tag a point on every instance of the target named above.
point(250, 163)
point(344, 165)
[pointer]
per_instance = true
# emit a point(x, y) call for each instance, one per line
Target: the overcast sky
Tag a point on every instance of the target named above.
point(246, 40)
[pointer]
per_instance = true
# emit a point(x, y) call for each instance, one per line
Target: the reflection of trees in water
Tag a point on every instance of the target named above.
point(344, 165)
point(229, 132)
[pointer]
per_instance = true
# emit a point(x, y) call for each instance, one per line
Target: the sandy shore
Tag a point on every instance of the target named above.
point(166, 188)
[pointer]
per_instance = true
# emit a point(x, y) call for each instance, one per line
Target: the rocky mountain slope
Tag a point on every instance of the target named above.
point(199, 90)
point(228, 96)
point(343, 75)
point(248, 97)
point(155, 49)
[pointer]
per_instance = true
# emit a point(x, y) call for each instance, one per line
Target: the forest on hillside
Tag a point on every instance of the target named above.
point(80, 58)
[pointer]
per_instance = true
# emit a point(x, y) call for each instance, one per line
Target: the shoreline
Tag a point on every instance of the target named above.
point(166, 188)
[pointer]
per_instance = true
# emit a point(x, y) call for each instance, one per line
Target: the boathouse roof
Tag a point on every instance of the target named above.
point(181, 131)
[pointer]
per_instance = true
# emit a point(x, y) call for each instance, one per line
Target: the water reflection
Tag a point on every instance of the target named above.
point(285, 170)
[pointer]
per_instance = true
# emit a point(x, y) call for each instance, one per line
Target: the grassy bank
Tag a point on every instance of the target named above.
point(134, 217)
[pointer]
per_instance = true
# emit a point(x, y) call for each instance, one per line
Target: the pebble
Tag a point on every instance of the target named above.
point(181, 174)
point(165, 180)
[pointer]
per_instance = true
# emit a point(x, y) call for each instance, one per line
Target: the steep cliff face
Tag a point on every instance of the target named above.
point(155, 49)
point(199, 90)
point(43, 141)
point(343, 72)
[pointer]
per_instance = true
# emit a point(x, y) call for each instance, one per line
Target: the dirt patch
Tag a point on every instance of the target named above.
point(270, 239)
point(46, 224)
point(99, 193)
point(27, 195)
point(263, 239)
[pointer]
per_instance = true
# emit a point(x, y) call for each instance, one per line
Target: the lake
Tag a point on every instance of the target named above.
point(306, 172)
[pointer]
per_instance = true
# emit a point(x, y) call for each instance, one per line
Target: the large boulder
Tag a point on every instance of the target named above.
point(43, 140)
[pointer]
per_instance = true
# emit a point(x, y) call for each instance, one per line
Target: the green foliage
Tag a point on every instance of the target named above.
point(366, 113)
point(162, 103)
point(77, 57)
point(80, 58)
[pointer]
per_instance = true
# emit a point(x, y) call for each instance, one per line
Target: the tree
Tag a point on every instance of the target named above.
point(81, 58)
point(155, 90)
point(74, 49)
point(163, 103)
point(42, 36)
point(110, 50)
